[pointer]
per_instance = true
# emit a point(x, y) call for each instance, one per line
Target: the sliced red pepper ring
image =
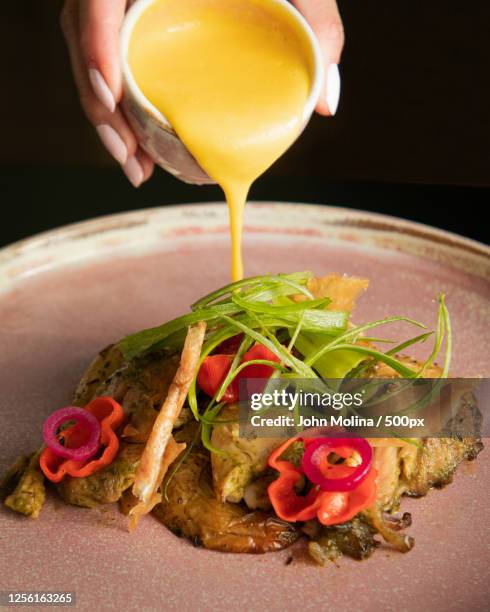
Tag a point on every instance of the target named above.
point(329, 507)
point(214, 369)
point(110, 415)
point(287, 504)
point(280, 464)
point(340, 507)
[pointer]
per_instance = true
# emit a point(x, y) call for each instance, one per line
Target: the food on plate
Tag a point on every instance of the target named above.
point(154, 426)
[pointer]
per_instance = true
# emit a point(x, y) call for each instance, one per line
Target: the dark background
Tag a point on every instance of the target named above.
point(411, 137)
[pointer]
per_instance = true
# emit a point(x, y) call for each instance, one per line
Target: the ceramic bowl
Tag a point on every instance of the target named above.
point(153, 130)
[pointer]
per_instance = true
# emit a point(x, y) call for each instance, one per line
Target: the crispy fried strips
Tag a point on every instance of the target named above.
point(149, 474)
point(140, 508)
point(342, 290)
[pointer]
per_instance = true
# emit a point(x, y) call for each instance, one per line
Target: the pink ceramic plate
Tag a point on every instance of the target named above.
point(66, 294)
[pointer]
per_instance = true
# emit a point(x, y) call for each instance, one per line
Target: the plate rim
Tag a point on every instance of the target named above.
point(418, 228)
point(17, 259)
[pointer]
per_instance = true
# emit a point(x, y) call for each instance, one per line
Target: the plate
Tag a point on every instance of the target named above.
point(67, 293)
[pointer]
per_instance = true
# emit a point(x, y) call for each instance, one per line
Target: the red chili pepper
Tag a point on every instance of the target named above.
point(212, 373)
point(330, 508)
point(341, 507)
point(110, 415)
point(215, 368)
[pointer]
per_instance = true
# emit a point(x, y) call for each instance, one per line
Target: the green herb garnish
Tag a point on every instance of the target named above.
point(309, 341)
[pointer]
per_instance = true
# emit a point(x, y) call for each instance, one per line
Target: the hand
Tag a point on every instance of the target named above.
point(324, 19)
point(91, 30)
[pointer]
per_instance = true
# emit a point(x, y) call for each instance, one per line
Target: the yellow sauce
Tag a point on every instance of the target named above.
point(232, 77)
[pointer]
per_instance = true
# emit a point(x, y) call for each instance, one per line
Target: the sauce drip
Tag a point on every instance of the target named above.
point(232, 77)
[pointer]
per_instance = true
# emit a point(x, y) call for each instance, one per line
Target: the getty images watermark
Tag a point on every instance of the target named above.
point(414, 408)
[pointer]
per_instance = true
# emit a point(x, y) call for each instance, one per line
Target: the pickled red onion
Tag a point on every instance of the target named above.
point(89, 425)
point(341, 477)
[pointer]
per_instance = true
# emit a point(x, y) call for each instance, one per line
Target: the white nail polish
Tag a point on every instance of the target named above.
point(133, 170)
point(333, 88)
point(102, 90)
point(113, 143)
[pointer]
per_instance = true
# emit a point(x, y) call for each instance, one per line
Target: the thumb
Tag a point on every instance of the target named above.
point(324, 19)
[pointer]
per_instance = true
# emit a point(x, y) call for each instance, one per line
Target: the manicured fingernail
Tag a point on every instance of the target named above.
point(333, 88)
point(102, 90)
point(113, 143)
point(133, 170)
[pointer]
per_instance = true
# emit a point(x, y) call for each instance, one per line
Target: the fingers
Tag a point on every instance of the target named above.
point(146, 163)
point(138, 168)
point(324, 19)
point(100, 22)
point(96, 87)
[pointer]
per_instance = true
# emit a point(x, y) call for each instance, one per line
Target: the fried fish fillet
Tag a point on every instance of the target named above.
point(140, 387)
point(196, 505)
point(404, 468)
point(193, 511)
